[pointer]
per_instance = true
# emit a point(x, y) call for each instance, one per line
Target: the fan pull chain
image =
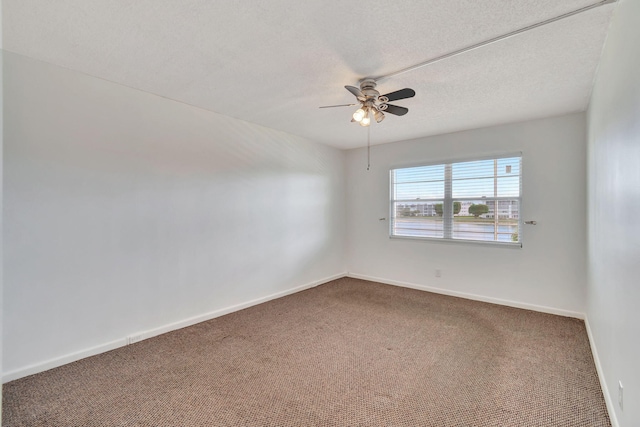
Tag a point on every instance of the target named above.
point(368, 147)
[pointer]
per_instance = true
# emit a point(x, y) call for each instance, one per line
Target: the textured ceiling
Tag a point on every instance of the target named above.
point(274, 62)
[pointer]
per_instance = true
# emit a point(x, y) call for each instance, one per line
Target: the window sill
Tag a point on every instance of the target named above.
point(512, 245)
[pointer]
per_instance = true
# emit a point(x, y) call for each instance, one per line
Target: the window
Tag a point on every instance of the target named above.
point(477, 200)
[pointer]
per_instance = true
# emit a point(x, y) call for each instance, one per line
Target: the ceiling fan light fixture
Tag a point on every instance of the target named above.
point(366, 121)
point(378, 115)
point(359, 115)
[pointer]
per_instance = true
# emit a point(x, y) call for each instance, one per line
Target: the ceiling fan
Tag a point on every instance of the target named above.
point(373, 105)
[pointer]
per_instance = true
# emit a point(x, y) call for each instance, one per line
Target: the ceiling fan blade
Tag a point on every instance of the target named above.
point(394, 109)
point(356, 92)
point(400, 94)
point(340, 105)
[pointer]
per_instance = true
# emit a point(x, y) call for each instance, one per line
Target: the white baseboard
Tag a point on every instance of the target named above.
point(603, 383)
point(516, 304)
point(72, 357)
point(63, 360)
point(217, 313)
point(142, 335)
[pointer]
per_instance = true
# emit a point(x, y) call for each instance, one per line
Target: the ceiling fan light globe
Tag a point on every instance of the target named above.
point(358, 115)
point(365, 121)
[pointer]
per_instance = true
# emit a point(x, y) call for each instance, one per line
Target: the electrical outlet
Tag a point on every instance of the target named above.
point(620, 390)
point(131, 339)
point(438, 273)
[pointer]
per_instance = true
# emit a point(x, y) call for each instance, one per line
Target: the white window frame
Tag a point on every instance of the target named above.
point(447, 203)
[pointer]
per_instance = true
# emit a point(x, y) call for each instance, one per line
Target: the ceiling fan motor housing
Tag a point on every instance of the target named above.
point(368, 88)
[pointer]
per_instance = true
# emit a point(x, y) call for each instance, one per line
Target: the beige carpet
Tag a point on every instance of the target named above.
point(347, 353)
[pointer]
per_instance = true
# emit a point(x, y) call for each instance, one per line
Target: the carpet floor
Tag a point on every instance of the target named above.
point(347, 353)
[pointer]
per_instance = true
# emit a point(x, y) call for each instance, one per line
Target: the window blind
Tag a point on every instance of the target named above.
point(477, 200)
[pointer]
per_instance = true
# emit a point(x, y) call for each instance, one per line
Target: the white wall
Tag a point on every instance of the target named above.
point(613, 295)
point(549, 270)
point(126, 212)
point(1, 198)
